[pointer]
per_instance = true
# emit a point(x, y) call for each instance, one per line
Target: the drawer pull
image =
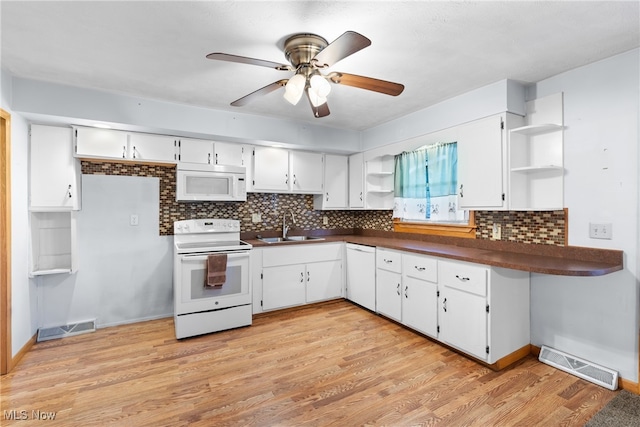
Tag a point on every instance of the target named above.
point(388, 261)
point(462, 279)
point(420, 268)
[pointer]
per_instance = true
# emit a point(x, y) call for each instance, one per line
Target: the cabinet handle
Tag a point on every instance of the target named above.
point(361, 196)
point(295, 180)
point(69, 191)
point(124, 151)
point(398, 289)
point(327, 197)
point(208, 158)
point(461, 194)
point(388, 261)
point(301, 277)
point(444, 305)
point(406, 289)
point(216, 158)
point(462, 279)
point(286, 178)
point(134, 151)
point(308, 276)
point(420, 268)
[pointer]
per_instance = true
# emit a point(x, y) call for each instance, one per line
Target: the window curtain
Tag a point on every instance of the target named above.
point(426, 182)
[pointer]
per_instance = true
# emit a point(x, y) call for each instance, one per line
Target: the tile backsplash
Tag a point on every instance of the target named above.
point(522, 227)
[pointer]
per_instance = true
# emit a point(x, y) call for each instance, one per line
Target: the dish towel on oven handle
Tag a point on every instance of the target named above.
point(216, 270)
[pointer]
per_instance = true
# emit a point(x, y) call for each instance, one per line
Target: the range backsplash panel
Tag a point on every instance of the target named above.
point(522, 227)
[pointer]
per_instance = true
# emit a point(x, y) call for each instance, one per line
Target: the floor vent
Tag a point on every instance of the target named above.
point(66, 330)
point(579, 367)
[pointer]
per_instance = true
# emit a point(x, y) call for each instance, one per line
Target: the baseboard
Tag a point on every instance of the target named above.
point(512, 358)
point(630, 386)
point(20, 354)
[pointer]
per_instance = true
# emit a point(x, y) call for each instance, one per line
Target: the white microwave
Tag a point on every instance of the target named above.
point(211, 183)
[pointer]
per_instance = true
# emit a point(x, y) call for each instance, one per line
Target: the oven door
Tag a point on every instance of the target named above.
point(191, 295)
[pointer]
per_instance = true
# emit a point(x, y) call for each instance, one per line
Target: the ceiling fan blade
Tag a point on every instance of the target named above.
point(319, 111)
point(252, 61)
point(345, 45)
point(368, 83)
point(259, 93)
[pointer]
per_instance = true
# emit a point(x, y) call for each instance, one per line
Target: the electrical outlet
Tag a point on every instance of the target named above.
point(496, 232)
point(133, 219)
point(256, 217)
point(325, 220)
point(600, 230)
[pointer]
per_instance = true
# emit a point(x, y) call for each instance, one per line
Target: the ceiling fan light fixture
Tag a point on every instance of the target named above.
point(316, 100)
point(294, 88)
point(320, 85)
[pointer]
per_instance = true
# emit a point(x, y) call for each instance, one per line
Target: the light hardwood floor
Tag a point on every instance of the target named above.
point(332, 364)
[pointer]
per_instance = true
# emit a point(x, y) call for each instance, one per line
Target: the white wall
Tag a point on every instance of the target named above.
point(125, 272)
point(596, 318)
point(23, 290)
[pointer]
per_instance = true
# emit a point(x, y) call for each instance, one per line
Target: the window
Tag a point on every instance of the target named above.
point(426, 192)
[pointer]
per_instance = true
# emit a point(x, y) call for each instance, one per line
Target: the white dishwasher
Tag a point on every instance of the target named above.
point(361, 275)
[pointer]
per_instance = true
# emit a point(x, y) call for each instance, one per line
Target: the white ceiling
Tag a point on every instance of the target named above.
point(156, 49)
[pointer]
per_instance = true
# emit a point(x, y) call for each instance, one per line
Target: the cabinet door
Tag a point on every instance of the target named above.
point(229, 154)
point(481, 164)
point(306, 172)
point(356, 181)
point(152, 148)
point(283, 286)
point(388, 291)
point(463, 321)
point(361, 275)
point(101, 143)
point(270, 169)
point(420, 305)
point(336, 181)
point(198, 151)
point(55, 173)
point(324, 280)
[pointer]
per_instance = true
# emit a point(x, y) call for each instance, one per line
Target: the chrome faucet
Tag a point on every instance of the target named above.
point(285, 227)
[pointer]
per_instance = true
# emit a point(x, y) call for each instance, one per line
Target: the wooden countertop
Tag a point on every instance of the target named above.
point(545, 259)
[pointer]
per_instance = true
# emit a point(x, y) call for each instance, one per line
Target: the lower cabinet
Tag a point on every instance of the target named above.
point(300, 274)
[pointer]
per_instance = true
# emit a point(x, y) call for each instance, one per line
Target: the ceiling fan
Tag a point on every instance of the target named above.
point(308, 55)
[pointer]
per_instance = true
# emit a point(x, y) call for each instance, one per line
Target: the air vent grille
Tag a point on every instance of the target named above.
point(581, 368)
point(45, 334)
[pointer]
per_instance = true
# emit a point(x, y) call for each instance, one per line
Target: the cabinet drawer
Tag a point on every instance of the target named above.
point(389, 260)
point(466, 277)
point(420, 267)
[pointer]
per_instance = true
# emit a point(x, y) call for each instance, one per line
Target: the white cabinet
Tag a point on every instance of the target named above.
point(356, 181)
point(483, 311)
point(536, 163)
point(420, 293)
point(54, 183)
point(101, 143)
point(230, 154)
point(361, 275)
point(482, 166)
point(335, 183)
point(306, 172)
point(152, 148)
point(270, 169)
point(199, 151)
point(389, 283)
point(379, 184)
point(282, 171)
point(52, 243)
point(301, 274)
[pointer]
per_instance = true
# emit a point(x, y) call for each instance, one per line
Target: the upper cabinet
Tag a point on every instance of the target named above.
point(231, 154)
point(356, 181)
point(482, 154)
point(536, 166)
point(101, 143)
point(151, 148)
point(55, 173)
point(336, 179)
point(282, 171)
point(199, 151)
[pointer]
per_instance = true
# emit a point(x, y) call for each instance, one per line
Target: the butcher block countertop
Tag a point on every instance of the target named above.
point(545, 259)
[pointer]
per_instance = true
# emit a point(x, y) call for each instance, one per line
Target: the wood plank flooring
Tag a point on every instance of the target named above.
point(333, 364)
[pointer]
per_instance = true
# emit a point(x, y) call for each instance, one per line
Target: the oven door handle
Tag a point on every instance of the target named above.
point(203, 257)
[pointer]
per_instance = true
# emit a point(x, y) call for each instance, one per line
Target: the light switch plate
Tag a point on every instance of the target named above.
point(600, 230)
point(256, 217)
point(133, 219)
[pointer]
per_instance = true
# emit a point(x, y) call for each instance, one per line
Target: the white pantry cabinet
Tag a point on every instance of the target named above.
point(361, 275)
point(356, 181)
point(336, 179)
point(484, 311)
point(54, 183)
point(300, 274)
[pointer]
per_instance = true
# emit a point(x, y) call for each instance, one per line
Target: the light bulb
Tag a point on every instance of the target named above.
point(320, 85)
point(316, 100)
point(294, 88)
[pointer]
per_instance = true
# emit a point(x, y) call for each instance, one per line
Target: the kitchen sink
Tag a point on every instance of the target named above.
point(303, 238)
point(289, 239)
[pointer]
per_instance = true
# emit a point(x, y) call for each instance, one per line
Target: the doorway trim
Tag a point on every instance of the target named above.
point(5, 245)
